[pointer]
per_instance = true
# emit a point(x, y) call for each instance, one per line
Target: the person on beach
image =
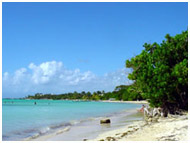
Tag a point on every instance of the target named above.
point(142, 108)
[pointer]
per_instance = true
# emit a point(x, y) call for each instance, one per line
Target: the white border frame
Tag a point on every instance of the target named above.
point(82, 1)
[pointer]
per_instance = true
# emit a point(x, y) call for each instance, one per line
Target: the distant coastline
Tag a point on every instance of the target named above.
point(135, 102)
point(108, 101)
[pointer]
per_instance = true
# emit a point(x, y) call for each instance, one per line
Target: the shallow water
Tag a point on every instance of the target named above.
point(23, 119)
point(91, 128)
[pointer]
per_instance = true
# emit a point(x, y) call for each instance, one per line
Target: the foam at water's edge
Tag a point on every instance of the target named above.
point(63, 130)
point(46, 130)
point(68, 126)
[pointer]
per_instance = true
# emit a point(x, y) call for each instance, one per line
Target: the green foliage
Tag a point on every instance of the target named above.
point(122, 92)
point(160, 72)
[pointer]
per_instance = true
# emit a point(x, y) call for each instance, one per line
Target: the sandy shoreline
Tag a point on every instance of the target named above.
point(90, 128)
point(173, 128)
point(135, 102)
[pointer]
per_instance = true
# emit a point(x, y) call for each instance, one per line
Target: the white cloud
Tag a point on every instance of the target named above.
point(45, 71)
point(19, 75)
point(52, 77)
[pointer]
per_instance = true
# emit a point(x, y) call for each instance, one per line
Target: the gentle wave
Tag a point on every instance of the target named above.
point(60, 128)
point(43, 131)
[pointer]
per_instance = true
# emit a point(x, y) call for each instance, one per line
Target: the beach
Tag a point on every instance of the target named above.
point(126, 128)
point(172, 128)
point(134, 102)
point(89, 129)
point(126, 125)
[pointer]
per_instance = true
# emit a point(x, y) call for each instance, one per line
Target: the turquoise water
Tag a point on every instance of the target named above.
point(22, 118)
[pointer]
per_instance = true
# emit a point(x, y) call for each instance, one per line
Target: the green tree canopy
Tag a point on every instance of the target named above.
point(161, 72)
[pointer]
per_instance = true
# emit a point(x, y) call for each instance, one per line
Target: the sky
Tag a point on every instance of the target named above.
point(66, 47)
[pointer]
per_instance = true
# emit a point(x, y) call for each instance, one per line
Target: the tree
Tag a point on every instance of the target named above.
point(161, 72)
point(95, 96)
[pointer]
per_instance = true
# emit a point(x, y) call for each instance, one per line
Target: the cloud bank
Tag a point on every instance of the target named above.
point(53, 77)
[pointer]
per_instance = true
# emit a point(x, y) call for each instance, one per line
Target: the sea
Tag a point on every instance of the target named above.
point(24, 119)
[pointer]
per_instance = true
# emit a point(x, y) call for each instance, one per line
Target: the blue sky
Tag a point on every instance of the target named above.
point(91, 40)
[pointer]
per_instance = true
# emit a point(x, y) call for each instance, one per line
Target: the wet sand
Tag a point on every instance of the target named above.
point(90, 128)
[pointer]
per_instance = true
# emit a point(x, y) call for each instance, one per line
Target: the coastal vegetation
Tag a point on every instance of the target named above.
point(160, 75)
point(122, 92)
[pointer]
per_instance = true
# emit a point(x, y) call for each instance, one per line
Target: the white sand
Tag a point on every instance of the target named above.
point(174, 128)
point(135, 102)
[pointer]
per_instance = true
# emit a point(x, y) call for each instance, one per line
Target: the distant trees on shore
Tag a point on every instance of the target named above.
point(122, 92)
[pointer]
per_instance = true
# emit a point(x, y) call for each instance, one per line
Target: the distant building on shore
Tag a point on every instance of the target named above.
point(112, 99)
